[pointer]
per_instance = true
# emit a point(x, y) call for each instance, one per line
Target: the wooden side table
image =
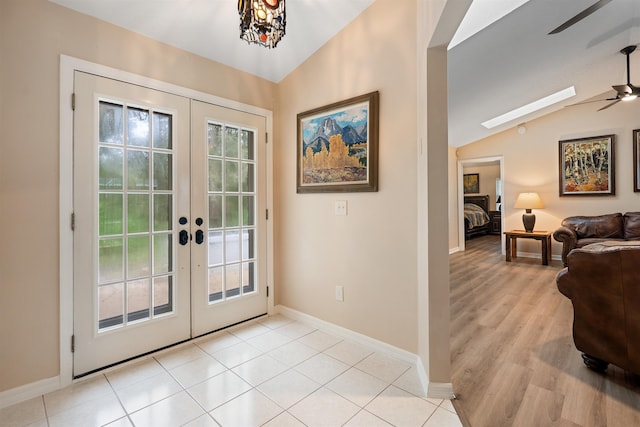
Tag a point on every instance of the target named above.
point(511, 243)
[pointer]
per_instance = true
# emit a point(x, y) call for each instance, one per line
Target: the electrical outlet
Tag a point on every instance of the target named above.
point(339, 293)
point(341, 208)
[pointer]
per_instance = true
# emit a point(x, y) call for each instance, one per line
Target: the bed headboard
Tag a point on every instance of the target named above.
point(482, 201)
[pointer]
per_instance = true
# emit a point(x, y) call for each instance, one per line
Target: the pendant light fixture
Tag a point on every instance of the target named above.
point(262, 21)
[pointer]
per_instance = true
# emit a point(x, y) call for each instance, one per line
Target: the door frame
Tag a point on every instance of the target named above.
point(460, 195)
point(68, 65)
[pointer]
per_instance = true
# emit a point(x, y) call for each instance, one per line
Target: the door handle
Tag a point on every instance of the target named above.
point(199, 236)
point(184, 237)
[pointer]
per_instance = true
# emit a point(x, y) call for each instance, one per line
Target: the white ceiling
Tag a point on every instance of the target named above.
point(501, 66)
point(513, 62)
point(210, 28)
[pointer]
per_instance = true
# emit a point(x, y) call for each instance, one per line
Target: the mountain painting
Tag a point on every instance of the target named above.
point(334, 147)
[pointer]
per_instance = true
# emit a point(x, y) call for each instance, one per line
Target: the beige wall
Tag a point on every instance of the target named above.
point(531, 164)
point(33, 34)
point(372, 251)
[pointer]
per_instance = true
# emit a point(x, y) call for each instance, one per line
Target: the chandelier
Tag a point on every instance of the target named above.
point(262, 21)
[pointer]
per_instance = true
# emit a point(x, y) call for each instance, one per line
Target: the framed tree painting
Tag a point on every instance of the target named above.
point(587, 166)
point(636, 161)
point(337, 147)
point(471, 183)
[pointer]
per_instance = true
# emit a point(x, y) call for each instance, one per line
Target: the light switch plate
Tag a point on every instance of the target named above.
point(341, 208)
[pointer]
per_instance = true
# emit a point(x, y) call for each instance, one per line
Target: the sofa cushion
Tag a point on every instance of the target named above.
point(632, 226)
point(602, 226)
point(589, 241)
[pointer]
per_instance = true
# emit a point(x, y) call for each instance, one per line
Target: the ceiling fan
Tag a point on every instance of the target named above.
point(580, 16)
point(626, 92)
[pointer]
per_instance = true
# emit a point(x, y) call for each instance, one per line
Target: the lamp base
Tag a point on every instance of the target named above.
point(528, 220)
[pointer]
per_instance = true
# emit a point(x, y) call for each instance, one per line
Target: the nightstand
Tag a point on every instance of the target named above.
point(495, 220)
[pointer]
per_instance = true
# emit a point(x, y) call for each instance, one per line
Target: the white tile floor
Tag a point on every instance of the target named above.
point(272, 372)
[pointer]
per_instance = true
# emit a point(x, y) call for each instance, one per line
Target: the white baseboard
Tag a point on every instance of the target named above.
point(454, 250)
point(441, 391)
point(379, 346)
point(28, 391)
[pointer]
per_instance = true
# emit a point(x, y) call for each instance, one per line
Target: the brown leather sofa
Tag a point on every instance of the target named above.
point(602, 280)
point(579, 231)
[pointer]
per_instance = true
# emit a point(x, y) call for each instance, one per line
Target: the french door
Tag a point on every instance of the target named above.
point(168, 243)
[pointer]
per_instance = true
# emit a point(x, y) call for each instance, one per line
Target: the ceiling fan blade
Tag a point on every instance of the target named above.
point(580, 16)
point(592, 101)
point(609, 105)
point(623, 89)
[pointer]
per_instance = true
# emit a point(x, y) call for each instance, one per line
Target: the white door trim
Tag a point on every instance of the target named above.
point(68, 65)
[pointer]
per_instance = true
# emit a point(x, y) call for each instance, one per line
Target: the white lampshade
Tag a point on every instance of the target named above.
point(528, 201)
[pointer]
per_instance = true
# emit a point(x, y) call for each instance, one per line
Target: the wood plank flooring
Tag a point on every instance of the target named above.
point(512, 353)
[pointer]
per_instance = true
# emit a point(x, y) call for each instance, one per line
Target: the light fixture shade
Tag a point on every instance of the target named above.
point(528, 201)
point(262, 21)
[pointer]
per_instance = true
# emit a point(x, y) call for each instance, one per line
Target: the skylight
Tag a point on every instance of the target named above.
point(531, 107)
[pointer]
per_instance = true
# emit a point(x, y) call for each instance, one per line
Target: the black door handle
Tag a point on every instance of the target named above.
point(199, 236)
point(184, 237)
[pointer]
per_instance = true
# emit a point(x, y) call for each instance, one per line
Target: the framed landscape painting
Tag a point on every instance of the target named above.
point(337, 149)
point(587, 166)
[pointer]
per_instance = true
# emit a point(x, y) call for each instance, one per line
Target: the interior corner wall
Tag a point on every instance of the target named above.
point(371, 252)
point(33, 35)
point(531, 163)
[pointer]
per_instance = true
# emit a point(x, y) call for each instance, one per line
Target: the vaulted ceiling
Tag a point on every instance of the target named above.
point(505, 65)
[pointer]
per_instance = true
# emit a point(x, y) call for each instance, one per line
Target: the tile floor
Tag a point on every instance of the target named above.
point(271, 372)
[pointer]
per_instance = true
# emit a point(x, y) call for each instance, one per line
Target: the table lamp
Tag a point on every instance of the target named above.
point(528, 201)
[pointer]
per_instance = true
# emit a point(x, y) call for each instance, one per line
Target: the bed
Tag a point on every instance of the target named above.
point(476, 216)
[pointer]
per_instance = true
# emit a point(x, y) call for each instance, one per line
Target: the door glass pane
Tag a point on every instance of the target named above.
point(111, 123)
point(137, 213)
point(232, 216)
point(215, 175)
point(232, 281)
point(162, 137)
point(136, 250)
point(162, 253)
point(215, 211)
point(162, 171)
point(248, 211)
point(111, 305)
point(138, 170)
point(138, 256)
point(248, 244)
point(248, 277)
point(110, 211)
point(162, 295)
point(215, 248)
point(138, 127)
point(162, 212)
point(232, 211)
point(231, 143)
point(246, 145)
point(111, 168)
point(231, 177)
point(216, 279)
point(248, 181)
point(111, 260)
point(214, 139)
point(138, 299)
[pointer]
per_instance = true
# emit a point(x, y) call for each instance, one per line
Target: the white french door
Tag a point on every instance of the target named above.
point(229, 196)
point(168, 243)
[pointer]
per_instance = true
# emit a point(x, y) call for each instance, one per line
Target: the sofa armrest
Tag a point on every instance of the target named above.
point(561, 281)
point(569, 240)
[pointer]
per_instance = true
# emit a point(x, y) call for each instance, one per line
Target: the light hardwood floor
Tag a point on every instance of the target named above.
point(512, 353)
